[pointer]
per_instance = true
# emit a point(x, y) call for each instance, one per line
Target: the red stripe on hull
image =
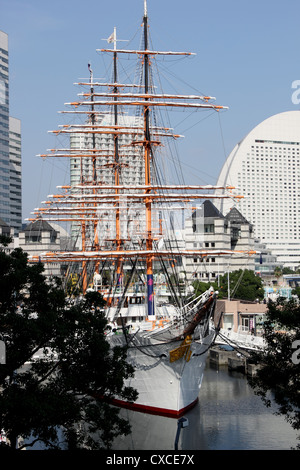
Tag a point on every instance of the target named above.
point(153, 410)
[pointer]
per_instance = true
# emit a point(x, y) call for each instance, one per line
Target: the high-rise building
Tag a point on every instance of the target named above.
point(265, 167)
point(132, 170)
point(10, 149)
point(4, 130)
point(132, 173)
point(15, 174)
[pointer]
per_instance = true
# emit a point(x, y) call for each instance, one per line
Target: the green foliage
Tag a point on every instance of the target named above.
point(5, 240)
point(296, 291)
point(201, 287)
point(57, 391)
point(278, 379)
point(244, 285)
point(278, 271)
point(287, 271)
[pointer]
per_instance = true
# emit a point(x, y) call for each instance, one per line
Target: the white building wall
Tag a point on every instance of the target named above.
point(210, 267)
point(265, 167)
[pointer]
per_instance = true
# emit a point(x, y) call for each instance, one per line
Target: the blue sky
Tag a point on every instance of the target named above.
point(247, 56)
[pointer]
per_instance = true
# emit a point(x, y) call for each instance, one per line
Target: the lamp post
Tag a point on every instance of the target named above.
point(181, 423)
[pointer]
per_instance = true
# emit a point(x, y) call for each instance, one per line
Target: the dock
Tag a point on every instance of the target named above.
point(235, 361)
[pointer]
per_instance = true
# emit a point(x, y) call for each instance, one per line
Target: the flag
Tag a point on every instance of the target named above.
point(111, 37)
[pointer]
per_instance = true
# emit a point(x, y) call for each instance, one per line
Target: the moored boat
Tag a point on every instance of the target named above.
point(122, 205)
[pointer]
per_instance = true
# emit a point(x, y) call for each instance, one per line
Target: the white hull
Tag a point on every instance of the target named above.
point(164, 387)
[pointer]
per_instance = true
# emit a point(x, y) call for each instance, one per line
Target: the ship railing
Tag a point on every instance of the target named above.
point(202, 298)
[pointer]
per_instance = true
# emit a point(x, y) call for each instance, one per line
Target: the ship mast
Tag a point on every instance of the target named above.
point(89, 201)
point(116, 159)
point(83, 223)
point(94, 162)
point(147, 156)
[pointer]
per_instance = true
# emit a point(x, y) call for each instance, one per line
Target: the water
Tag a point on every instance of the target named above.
point(228, 416)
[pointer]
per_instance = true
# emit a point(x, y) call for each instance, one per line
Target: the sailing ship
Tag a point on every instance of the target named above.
point(118, 201)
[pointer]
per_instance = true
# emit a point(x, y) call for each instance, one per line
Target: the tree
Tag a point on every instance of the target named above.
point(288, 271)
point(244, 284)
point(200, 287)
point(56, 392)
point(296, 291)
point(278, 379)
point(278, 271)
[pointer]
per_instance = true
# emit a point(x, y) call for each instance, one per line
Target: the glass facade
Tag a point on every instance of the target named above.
point(10, 148)
point(4, 130)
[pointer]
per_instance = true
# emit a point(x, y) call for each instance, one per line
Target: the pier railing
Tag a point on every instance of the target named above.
point(243, 340)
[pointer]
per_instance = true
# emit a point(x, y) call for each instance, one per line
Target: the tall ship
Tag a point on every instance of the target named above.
point(121, 206)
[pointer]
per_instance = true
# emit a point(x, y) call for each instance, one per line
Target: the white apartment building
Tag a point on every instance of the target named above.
point(265, 260)
point(10, 149)
point(40, 236)
point(209, 229)
point(265, 167)
point(131, 173)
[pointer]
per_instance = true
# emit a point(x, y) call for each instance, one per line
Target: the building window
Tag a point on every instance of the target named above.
point(33, 238)
point(209, 228)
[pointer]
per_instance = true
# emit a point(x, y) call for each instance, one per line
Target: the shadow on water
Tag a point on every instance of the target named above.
point(228, 416)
